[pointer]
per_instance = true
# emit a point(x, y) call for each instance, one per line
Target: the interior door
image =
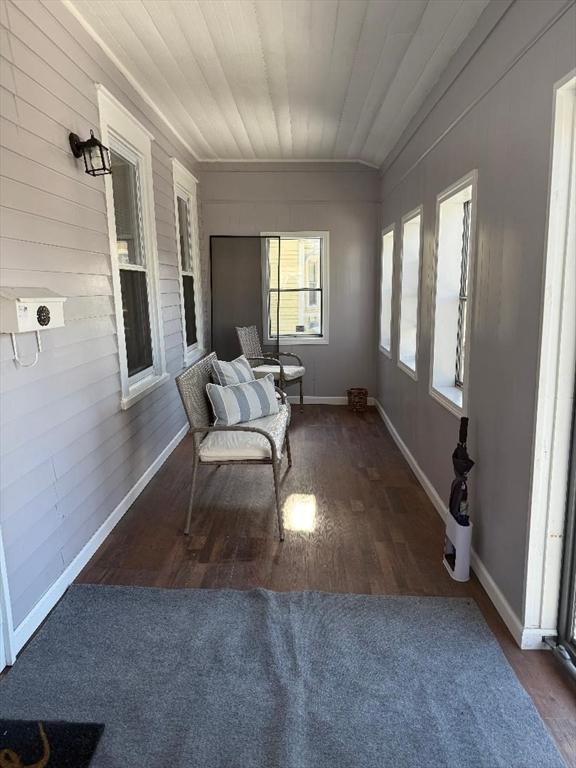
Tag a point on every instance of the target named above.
point(237, 265)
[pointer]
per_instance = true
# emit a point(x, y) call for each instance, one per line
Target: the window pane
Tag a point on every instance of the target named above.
point(409, 294)
point(189, 310)
point(299, 263)
point(136, 320)
point(387, 267)
point(126, 210)
point(461, 326)
point(452, 276)
point(184, 231)
point(300, 313)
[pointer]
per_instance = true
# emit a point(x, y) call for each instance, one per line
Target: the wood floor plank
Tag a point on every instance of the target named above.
point(361, 523)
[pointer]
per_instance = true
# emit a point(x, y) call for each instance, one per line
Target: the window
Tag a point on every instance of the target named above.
point(410, 281)
point(386, 276)
point(132, 230)
point(463, 297)
point(189, 262)
point(296, 308)
point(455, 213)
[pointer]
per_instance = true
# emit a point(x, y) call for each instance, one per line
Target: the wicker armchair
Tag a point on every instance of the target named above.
point(192, 387)
point(264, 363)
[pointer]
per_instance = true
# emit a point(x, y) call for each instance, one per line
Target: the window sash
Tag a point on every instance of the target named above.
point(303, 279)
point(190, 324)
point(462, 298)
point(132, 217)
point(185, 234)
point(297, 334)
point(136, 313)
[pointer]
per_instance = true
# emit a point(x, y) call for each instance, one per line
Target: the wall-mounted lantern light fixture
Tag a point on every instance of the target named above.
point(96, 155)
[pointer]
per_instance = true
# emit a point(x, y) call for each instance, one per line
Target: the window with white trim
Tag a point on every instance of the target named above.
point(132, 230)
point(386, 277)
point(409, 292)
point(185, 204)
point(455, 214)
point(296, 291)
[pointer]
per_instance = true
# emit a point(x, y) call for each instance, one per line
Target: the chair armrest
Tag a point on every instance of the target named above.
point(290, 354)
point(266, 360)
point(282, 395)
point(239, 428)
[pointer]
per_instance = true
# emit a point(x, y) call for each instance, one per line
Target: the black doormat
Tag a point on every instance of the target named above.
point(52, 744)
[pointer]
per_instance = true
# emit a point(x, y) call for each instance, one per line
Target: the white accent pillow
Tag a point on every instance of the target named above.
point(238, 403)
point(235, 372)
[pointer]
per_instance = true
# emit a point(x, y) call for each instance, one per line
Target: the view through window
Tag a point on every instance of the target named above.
point(132, 264)
point(296, 294)
point(186, 260)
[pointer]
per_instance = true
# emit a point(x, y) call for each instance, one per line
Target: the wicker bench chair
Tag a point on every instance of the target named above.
point(264, 363)
point(261, 441)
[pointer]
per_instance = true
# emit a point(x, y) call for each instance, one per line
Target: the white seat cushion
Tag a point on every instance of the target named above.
point(240, 446)
point(291, 372)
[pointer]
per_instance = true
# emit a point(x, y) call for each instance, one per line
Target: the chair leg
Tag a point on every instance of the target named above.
point(301, 397)
point(278, 507)
point(288, 451)
point(190, 503)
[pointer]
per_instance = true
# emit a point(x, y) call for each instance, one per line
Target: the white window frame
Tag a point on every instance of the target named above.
point(7, 641)
point(124, 134)
point(556, 370)
point(418, 211)
point(390, 229)
point(297, 341)
point(185, 186)
point(469, 180)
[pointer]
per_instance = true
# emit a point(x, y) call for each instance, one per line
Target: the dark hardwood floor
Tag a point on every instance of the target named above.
point(357, 521)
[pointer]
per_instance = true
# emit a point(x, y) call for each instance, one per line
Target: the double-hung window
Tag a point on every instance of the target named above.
point(296, 287)
point(410, 290)
point(386, 277)
point(185, 203)
point(132, 230)
point(454, 250)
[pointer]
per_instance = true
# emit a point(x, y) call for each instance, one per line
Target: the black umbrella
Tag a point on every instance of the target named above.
point(462, 465)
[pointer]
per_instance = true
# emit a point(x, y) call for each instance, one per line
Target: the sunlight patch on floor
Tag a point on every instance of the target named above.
point(300, 512)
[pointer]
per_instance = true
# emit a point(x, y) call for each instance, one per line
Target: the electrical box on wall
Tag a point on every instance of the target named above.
point(23, 310)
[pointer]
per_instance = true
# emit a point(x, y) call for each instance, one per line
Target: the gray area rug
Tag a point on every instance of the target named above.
point(231, 679)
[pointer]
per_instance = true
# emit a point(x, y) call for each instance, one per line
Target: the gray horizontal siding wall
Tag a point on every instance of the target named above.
point(69, 454)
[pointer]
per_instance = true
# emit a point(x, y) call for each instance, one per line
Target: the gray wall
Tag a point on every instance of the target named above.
point(506, 136)
point(69, 454)
point(247, 199)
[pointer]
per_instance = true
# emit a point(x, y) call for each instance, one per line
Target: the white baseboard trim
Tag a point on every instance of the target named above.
point(316, 400)
point(431, 492)
point(525, 637)
point(30, 624)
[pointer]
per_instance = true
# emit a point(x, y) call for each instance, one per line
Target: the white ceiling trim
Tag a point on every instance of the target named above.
point(283, 160)
point(127, 74)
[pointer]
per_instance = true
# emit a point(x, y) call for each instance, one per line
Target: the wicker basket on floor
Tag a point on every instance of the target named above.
point(357, 398)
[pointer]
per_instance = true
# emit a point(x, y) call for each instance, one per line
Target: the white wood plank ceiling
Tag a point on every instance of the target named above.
point(285, 79)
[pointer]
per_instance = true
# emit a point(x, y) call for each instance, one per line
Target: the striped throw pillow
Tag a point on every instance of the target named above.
point(243, 402)
point(236, 372)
